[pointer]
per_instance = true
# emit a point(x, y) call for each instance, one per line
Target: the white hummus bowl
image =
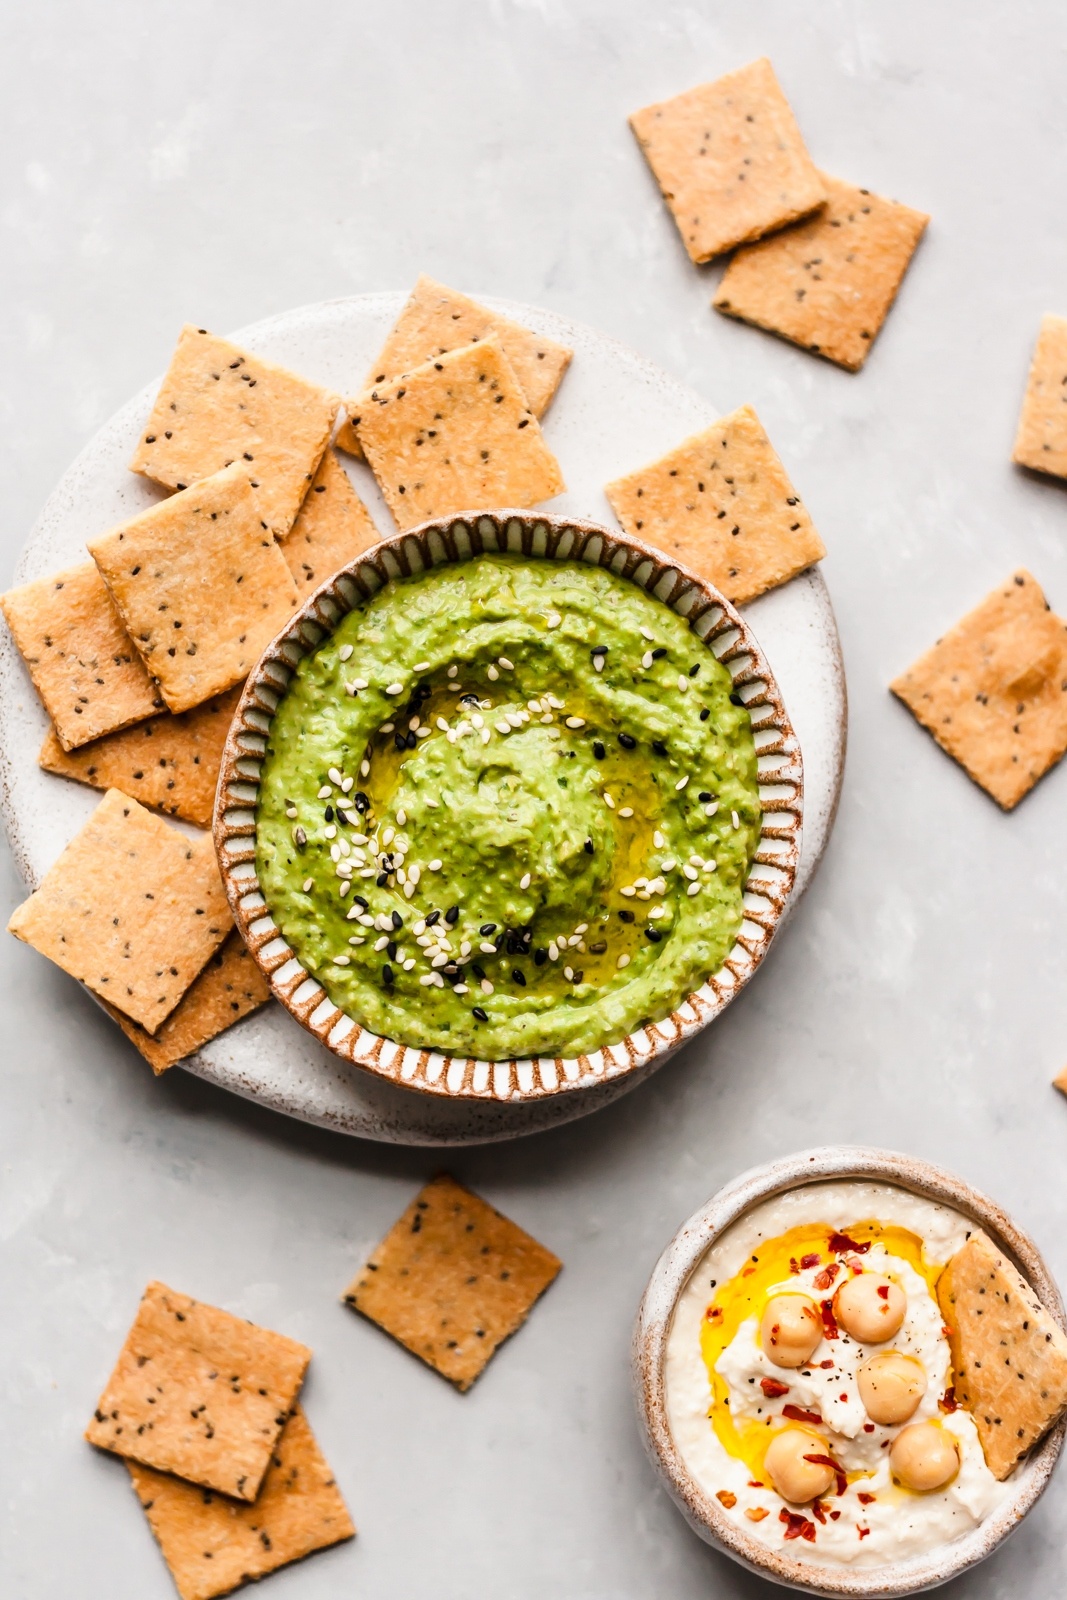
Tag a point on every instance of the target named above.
point(453, 540)
point(672, 1272)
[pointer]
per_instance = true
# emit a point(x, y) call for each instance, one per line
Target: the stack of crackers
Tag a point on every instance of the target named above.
point(203, 1409)
point(818, 261)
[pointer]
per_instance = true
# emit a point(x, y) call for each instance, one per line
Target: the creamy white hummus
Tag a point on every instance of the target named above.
point(890, 1522)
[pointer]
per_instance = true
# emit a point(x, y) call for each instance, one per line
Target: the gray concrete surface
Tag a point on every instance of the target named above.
point(220, 161)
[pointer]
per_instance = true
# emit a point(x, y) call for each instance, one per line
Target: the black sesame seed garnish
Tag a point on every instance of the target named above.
point(540, 957)
point(486, 929)
point(736, 700)
point(450, 970)
point(482, 1016)
point(452, 914)
point(300, 838)
point(598, 750)
point(626, 916)
point(653, 934)
point(693, 670)
point(598, 948)
point(705, 714)
point(627, 741)
point(479, 972)
point(599, 650)
point(400, 741)
point(589, 847)
point(411, 740)
point(387, 976)
point(361, 801)
point(329, 813)
point(519, 976)
point(704, 796)
point(358, 898)
point(659, 747)
point(382, 879)
point(390, 949)
point(398, 921)
point(435, 916)
point(578, 976)
point(468, 699)
point(659, 653)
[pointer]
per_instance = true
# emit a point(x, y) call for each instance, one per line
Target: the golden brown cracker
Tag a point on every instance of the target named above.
point(456, 435)
point(1041, 442)
point(230, 987)
point(729, 159)
point(213, 1544)
point(170, 763)
point(218, 404)
point(993, 690)
point(201, 586)
point(199, 1392)
point(436, 319)
point(721, 503)
point(828, 283)
point(1009, 1355)
point(132, 908)
point(452, 1280)
point(332, 528)
point(81, 659)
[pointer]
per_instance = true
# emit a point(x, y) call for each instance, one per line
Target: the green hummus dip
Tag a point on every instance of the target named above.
point(508, 809)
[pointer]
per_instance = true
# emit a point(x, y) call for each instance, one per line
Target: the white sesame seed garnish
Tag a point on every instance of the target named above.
point(487, 949)
point(626, 811)
point(623, 961)
point(440, 960)
point(413, 723)
point(682, 782)
point(380, 944)
point(341, 961)
point(568, 973)
point(576, 722)
point(477, 720)
point(502, 727)
point(452, 670)
point(608, 801)
point(357, 939)
point(359, 683)
point(442, 724)
point(364, 769)
point(426, 979)
point(388, 836)
point(347, 785)
point(414, 873)
point(514, 718)
point(553, 951)
point(553, 619)
point(656, 911)
point(485, 986)
point(325, 792)
point(709, 811)
point(345, 652)
point(421, 666)
point(598, 663)
point(658, 840)
point(408, 963)
point(508, 666)
point(308, 885)
point(735, 819)
point(691, 873)
point(455, 688)
point(365, 920)
point(402, 879)
point(409, 889)
point(492, 674)
point(354, 914)
point(548, 717)
point(368, 872)
point(694, 888)
point(345, 886)
point(646, 660)
point(668, 864)
point(524, 881)
point(330, 831)
point(394, 688)
point(334, 775)
point(629, 891)
point(434, 865)
point(460, 988)
point(683, 683)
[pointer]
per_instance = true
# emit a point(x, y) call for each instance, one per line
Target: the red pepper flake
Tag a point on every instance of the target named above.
point(827, 1275)
point(796, 1414)
point(834, 1515)
point(754, 1483)
point(866, 1499)
point(840, 1243)
point(772, 1388)
point(882, 1291)
point(726, 1498)
point(756, 1513)
point(746, 1272)
point(810, 1260)
point(948, 1401)
point(946, 1333)
point(828, 1461)
point(796, 1526)
point(794, 1265)
point(863, 1532)
point(829, 1321)
point(714, 1313)
point(825, 1366)
point(868, 1427)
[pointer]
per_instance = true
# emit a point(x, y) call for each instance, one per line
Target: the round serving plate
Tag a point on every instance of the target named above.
point(452, 541)
point(652, 1329)
point(613, 411)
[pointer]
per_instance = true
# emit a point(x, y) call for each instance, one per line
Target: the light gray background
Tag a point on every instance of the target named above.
point(222, 161)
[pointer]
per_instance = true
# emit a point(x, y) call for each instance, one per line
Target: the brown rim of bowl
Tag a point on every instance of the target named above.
point(456, 539)
point(652, 1329)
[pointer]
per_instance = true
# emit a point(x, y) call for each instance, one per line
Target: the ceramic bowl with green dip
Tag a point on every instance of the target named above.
point(511, 806)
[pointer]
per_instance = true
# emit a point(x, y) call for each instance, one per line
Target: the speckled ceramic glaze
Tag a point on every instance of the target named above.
point(458, 539)
point(672, 1272)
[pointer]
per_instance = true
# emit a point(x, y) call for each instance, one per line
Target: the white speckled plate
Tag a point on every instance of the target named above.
point(613, 411)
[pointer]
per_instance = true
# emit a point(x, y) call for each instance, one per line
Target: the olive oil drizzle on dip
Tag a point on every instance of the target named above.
point(509, 808)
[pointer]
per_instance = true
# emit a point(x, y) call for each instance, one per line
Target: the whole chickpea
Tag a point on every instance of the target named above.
point(790, 1329)
point(924, 1457)
point(795, 1478)
point(869, 1307)
point(891, 1386)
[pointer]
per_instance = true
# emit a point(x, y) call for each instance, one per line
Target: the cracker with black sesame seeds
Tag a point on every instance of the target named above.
point(993, 690)
point(332, 528)
point(218, 404)
point(132, 908)
point(168, 762)
point(201, 585)
point(729, 159)
point(452, 1279)
point(436, 319)
point(1009, 1355)
point(1041, 440)
point(213, 1544)
point(84, 667)
point(199, 1392)
point(454, 435)
point(827, 284)
point(722, 504)
point(230, 987)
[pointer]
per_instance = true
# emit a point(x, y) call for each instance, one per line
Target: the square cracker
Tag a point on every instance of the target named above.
point(132, 908)
point(1009, 1355)
point(1041, 442)
point(436, 320)
point(219, 404)
point(828, 283)
point(456, 434)
point(201, 585)
point(721, 503)
point(729, 159)
point(213, 1544)
point(199, 1392)
point(170, 763)
point(993, 690)
point(230, 987)
point(80, 657)
point(452, 1280)
point(332, 528)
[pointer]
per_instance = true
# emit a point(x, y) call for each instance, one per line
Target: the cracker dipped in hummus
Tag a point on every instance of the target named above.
point(509, 808)
point(836, 1373)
